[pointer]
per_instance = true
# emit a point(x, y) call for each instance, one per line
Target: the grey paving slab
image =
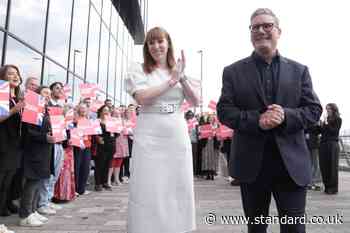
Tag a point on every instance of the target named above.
point(106, 212)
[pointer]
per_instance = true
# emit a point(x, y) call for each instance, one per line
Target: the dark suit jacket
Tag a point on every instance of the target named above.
point(241, 103)
point(37, 152)
point(10, 139)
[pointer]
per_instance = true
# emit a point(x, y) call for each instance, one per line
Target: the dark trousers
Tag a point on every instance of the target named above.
point(30, 197)
point(125, 168)
point(103, 161)
point(329, 164)
point(82, 159)
point(273, 179)
point(195, 157)
point(17, 184)
point(199, 160)
point(5, 184)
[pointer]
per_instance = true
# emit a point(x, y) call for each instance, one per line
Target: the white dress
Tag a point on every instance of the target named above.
point(161, 196)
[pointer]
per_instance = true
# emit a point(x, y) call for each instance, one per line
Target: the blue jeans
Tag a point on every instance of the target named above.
point(46, 189)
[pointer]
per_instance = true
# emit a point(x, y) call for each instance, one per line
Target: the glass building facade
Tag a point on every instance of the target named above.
point(71, 41)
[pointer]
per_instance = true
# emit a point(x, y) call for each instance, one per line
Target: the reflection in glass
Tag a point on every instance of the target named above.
point(97, 4)
point(124, 68)
point(92, 60)
point(28, 61)
point(1, 41)
point(120, 32)
point(81, 13)
point(102, 82)
point(75, 90)
point(28, 21)
point(106, 11)
point(53, 73)
point(118, 76)
point(114, 22)
point(58, 30)
point(112, 65)
point(3, 9)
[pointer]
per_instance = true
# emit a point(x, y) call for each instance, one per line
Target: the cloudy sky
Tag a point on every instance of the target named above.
point(313, 33)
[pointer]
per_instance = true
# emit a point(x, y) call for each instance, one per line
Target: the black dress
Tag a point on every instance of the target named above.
point(10, 155)
point(104, 156)
point(10, 138)
point(329, 154)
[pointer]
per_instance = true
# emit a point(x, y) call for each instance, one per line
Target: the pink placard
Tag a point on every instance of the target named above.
point(4, 98)
point(206, 131)
point(212, 105)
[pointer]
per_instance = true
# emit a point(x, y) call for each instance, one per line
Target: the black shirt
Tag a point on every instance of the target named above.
point(330, 131)
point(268, 76)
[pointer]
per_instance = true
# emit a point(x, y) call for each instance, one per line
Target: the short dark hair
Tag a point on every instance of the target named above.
point(41, 88)
point(264, 11)
point(52, 86)
point(99, 111)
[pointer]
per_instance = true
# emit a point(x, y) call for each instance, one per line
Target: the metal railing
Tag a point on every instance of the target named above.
point(344, 145)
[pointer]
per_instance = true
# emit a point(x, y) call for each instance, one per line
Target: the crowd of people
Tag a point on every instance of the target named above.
point(37, 170)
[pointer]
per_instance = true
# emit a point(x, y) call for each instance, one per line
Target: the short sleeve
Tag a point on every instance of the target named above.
point(135, 79)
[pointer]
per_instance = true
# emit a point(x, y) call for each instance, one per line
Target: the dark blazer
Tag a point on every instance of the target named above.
point(37, 152)
point(241, 103)
point(10, 138)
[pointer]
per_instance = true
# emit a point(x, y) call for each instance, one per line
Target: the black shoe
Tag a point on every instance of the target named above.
point(235, 183)
point(107, 187)
point(98, 188)
point(331, 192)
point(5, 213)
point(12, 208)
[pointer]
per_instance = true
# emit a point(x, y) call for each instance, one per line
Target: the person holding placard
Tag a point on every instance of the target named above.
point(82, 156)
point(10, 127)
point(105, 151)
point(37, 150)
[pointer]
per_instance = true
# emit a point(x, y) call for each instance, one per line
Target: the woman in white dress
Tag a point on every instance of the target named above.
point(161, 196)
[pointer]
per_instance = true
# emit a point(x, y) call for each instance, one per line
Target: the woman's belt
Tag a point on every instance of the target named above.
point(162, 108)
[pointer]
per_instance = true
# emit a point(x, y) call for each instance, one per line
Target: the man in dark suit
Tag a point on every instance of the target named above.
point(269, 100)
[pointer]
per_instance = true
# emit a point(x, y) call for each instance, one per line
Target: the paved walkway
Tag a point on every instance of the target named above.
point(106, 212)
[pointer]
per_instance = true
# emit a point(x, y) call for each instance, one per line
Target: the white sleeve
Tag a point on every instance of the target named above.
point(135, 79)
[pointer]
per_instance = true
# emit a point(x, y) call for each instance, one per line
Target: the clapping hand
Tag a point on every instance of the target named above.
point(273, 117)
point(178, 72)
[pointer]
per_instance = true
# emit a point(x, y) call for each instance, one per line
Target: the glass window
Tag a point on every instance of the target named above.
point(112, 65)
point(120, 32)
point(114, 22)
point(106, 11)
point(53, 73)
point(79, 30)
point(103, 59)
point(1, 42)
point(124, 68)
point(98, 5)
point(3, 10)
point(58, 30)
point(92, 60)
point(75, 91)
point(28, 21)
point(118, 79)
point(27, 60)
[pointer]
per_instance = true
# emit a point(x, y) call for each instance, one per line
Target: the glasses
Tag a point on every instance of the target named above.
point(267, 27)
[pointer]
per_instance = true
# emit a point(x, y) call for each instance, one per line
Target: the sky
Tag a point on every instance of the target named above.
point(314, 33)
